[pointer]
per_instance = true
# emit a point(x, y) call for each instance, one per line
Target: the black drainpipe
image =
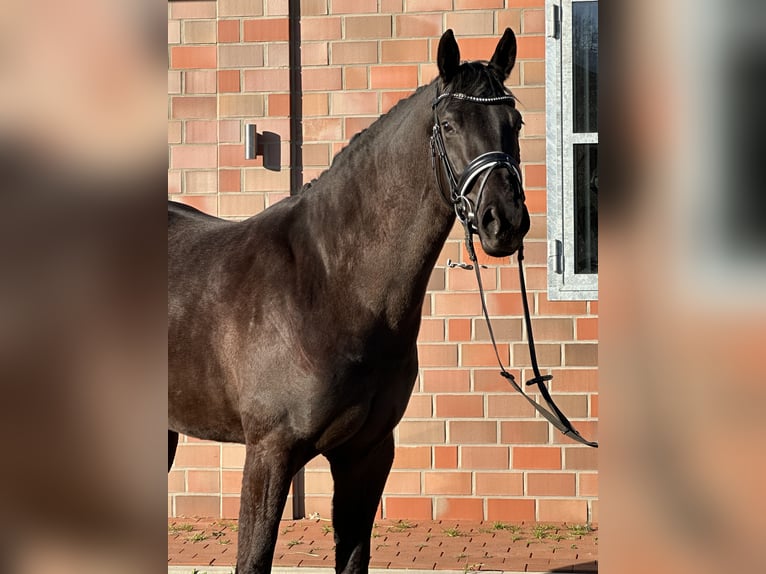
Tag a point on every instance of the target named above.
point(296, 180)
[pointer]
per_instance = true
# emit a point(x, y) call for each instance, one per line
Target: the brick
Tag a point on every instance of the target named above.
point(435, 355)
point(174, 82)
point(192, 506)
point(458, 509)
point(499, 483)
point(446, 380)
point(353, 103)
point(393, 77)
point(240, 105)
point(174, 132)
point(316, 154)
point(504, 330)
point(406, 507)
point(355, 124)
point(478, 4)
point(551, 484)
point(594, 405)
point(472, 23)
point(361, 27)
point(510, 510)
point(412, 457)
point(322, 129)
point(575, 406)
point(228, 31)
point(391, 6)
point(484, 457)
point(174, 182)
point(315, 54)
point(320, 505)
point(277, 7)
point(456, 304)
point(267, 180)
point(205, 203)
point(176, 481)
point(354, 52)
point(229, 180)
point(588, 484)
point(247, 56)
point(524, 432)
point(316, 104)
point(202, 131)
point(318, 482)
point(459, 329)
point(534, 73)
point(200, 82)
point(228, 81)
point(548, 355)
point(536, 458)
point(431, 330)
point(490, 381)
point(588, 429)
point(266, 30)
point(587, 328)
point(387, 101)
point(321, 29)
point(459, 406)
point(419, 406)
point(419, 26)
point(398, 51)
point(234, 156)
point(277, 55)
point(483, 354)
point(196, 156)
point(199, 107)
point(313, 7)
point(459, 280)
point(355, 78)
point(203, 481)
point(427, 5)
point(240, 204)
point(508, 19)
point(575, 380)
point(240, 8)
point(472, 432)
point(322, 79)
point(189, 10)
point(193, 57)
point(353, 6)
point(267, 80)
point(174, 32)
point(571, 511)
point(403, 483)
point(199, 32)
point(500, 304)
point(445, 457)
point(581, 354)
point(553, 329)
point(421, 432)
point(509, 405)
point(580, 458)
point(447, 482)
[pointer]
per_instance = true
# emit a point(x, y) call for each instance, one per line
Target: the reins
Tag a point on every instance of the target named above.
point(465, 211)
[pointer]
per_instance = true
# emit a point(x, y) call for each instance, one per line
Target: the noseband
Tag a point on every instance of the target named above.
point(485, 164)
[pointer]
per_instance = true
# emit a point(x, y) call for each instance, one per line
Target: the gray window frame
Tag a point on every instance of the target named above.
point(563, 282)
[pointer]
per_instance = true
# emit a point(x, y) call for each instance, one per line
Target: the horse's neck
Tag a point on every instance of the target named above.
point(389, 222)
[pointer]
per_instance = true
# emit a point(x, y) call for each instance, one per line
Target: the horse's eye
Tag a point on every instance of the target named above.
point(447, 127)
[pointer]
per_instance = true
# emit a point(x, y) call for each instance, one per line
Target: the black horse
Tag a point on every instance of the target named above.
point(294, 332)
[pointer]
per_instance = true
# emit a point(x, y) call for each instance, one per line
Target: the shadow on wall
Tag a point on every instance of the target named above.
point(270, 148)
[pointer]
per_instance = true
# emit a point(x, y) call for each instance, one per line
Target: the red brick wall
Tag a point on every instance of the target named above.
point(468, 446)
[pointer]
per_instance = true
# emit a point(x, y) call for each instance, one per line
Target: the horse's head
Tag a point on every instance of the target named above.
point(476, 135)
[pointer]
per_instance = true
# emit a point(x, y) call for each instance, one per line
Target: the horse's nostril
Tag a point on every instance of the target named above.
point(490, 217)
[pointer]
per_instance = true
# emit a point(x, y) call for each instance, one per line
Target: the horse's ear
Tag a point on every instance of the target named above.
point(448, 56)
point(505, 54)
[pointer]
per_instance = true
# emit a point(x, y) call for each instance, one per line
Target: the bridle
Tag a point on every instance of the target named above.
point(485, 164)
point(465, 210)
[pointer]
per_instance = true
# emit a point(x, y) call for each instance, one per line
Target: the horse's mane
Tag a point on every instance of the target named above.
point(476, 78)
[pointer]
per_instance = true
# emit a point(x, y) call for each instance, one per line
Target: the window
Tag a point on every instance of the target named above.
point(572, 148)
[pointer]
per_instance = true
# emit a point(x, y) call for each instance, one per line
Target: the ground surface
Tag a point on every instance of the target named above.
point(422, 545)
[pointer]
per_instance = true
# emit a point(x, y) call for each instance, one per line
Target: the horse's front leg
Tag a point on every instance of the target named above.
point(359, 480)
point(265, 485)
